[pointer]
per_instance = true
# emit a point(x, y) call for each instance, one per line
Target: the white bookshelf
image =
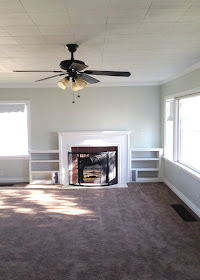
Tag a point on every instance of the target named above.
point(145, 164)
point(43, 166)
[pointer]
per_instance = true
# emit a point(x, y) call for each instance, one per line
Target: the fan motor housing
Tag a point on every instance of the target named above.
point(65, 64)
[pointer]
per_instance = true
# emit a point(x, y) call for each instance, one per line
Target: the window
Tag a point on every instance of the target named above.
point(182, 130)
point(14, 129)
point(169, 126)
point(189, 131)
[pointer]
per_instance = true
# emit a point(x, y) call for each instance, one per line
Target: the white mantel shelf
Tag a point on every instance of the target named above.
point(121, 139)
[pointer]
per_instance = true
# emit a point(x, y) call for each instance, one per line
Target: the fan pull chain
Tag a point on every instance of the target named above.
point(73, 98)
point(78, 94)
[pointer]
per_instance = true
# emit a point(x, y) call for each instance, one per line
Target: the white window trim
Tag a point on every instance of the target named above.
point(176, 97)
point(27, 102)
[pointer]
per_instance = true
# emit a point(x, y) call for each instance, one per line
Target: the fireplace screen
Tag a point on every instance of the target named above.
point(88, 169)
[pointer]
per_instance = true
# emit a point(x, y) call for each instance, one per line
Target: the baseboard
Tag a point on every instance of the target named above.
point(188, 202)
point(14, 180)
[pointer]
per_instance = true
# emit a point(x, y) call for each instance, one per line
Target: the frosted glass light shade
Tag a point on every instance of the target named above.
point(63, 83)
point(80, 83)
point(74, 87)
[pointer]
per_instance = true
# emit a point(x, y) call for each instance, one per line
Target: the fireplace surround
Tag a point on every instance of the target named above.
point(95, 139)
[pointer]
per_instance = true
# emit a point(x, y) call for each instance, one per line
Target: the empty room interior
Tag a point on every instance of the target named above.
point(99, 140)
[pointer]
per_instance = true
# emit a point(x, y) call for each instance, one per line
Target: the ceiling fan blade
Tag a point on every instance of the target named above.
point(88, 79)
point(78, 66)
point(50, 77)
point(38, 71)
point(108, 73)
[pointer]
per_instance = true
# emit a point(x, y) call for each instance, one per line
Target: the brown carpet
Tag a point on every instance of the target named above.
point(99, 234)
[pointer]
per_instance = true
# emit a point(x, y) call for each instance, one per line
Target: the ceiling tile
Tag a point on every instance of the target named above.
point(87, 5)
point(174, 4)
point(88, 40)
point(33, 6)
point(146, 38)
point(155, 28)
point(88, 18)
point(29, 30)
point(129, 4)
point(6, 61)
point(56, 30)
point(14, 19)
point(11, 48)
point(126, 16)
point(62, 40)
point(11, 6)
point(92, 29)
point(25, 60)
point(3, 32)
point(7, 41)
point(164, 15)
point(122, 29)
point(186, 27)
point(50, 18)
point(184, 36)
point(3, 55)
point(193, 14)
point(32, 40)
point(118, 39)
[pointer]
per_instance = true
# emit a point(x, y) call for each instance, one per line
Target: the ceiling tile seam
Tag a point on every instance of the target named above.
point(66, 6)
point(147, 11)
point(106, 28)
point(20, 12)
point(3, 27)
point(33, 22)
point(185, 12)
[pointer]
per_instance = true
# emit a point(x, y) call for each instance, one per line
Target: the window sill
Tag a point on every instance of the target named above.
point(14, 157)
point(187, 170)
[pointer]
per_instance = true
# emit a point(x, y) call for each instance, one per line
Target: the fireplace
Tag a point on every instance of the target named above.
point(93, 166)
point(94, 142)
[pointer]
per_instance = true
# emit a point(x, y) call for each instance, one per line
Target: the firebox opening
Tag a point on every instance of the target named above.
point(93, 168)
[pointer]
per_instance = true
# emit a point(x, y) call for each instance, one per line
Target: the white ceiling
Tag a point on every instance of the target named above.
point(153, 39)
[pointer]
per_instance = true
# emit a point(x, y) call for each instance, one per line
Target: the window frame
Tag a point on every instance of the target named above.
point(176, 141)
point(27, 102)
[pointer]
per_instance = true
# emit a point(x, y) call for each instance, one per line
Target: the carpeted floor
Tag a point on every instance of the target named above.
point(96, 234)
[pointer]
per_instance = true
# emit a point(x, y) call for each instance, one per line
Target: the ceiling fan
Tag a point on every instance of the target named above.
point(72, 69)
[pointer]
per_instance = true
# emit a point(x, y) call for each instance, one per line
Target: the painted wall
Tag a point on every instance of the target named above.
point(113, 108)
point(187, 185)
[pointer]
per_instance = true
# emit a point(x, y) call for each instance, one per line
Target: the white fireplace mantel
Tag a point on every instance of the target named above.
point(121, 139)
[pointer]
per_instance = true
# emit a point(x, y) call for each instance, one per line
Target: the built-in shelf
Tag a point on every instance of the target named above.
point(143, 159)
point(145, 164)
point(41, 161)
point(44, 166)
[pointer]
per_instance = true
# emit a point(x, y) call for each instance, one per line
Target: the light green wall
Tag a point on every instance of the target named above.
point(111, 108)
point(183, 182)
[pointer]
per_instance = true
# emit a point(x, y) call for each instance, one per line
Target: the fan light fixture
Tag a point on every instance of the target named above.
point(63, 83)
point(77, 84)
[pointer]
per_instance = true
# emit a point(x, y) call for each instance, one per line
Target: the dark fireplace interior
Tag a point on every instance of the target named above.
point(89, 166)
